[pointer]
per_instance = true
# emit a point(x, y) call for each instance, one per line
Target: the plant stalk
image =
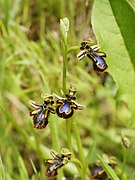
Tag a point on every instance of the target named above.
point(80, 148)
point(64, 47)
point(55, 140)
point(124, 161)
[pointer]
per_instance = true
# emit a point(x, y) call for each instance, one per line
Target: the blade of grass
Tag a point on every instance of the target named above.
point(108, 169)
point(22, 169)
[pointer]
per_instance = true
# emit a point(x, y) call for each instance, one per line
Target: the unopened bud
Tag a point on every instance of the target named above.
point(125, 142)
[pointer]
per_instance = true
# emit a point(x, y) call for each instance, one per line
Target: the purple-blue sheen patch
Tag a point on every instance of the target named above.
point(96, 170)
point(65, 108)
point(100, 61)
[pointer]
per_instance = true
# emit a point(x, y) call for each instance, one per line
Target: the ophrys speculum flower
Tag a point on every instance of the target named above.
point(66, 106)
point(41, 112)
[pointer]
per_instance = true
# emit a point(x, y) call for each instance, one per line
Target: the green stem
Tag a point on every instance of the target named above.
point(124, 161)
point(73, 48)
point(54, 133)
point(69, 121)
point(80, 149)
point(64, 50)
point(68, 131)
point(55, 140)
point(69, 124)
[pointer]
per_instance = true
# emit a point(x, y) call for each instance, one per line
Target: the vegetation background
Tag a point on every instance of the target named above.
point(31, 64)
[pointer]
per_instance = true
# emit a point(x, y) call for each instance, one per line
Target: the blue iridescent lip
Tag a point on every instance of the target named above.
point(40, 117)
point(58, 161)
point(41, 113)
point(100, 61)
point(65, 108)
point(93, 53)
point(96, 170)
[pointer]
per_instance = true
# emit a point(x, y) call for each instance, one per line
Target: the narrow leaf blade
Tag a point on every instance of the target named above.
point(108, 169)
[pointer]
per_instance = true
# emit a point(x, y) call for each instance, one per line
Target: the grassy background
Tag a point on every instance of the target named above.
point(30, 64)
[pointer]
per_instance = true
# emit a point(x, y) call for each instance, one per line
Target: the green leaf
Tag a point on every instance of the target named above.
point(76, 161)
point(33, 166)
point(125, 17)
point(89, 155)
point(108, 169)
point(114, 26)
point(64, 27)
point(73, 48)
point(132, 3)
point(15, 8)
point(22, 169)
point(3, 171)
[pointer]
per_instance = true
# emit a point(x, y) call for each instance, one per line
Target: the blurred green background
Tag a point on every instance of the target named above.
point(31, 64)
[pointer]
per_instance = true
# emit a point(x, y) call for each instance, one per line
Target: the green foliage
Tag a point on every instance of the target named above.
point(22, 168)
point(31, 64)
point(114, 29)
point(108, 169)
point(3, 173)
